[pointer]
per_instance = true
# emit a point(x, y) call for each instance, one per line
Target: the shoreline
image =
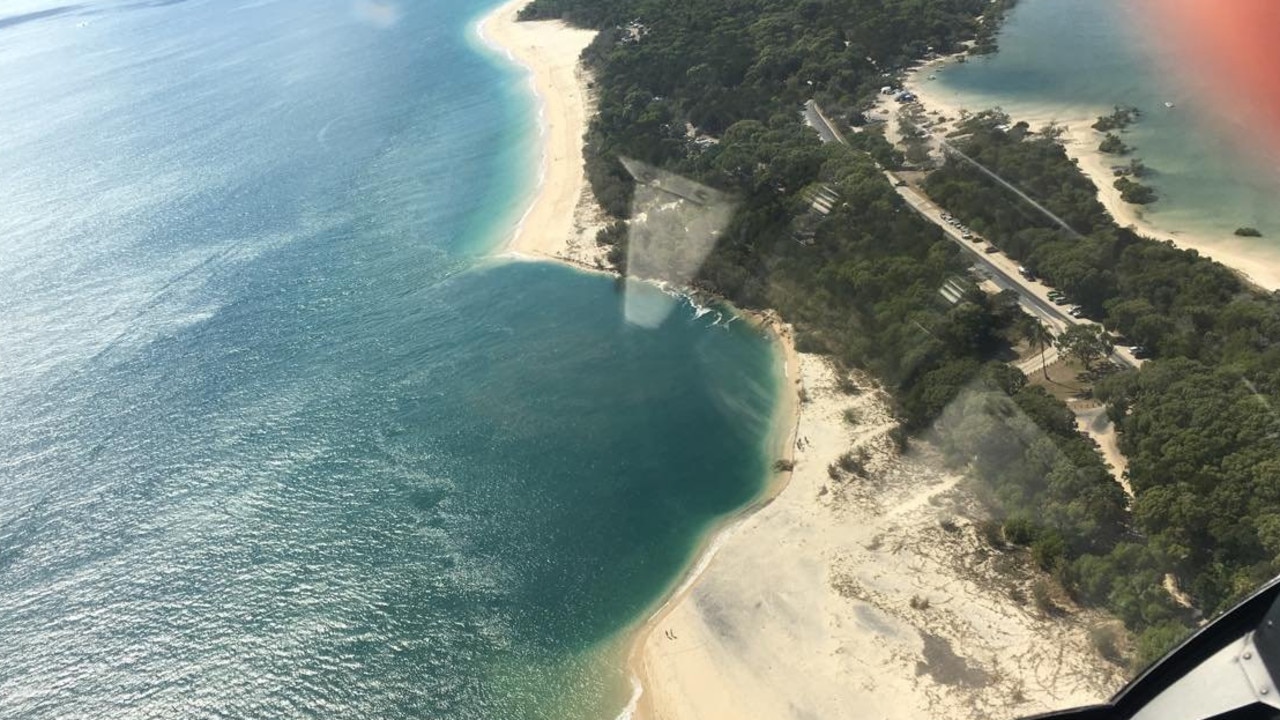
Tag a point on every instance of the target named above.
point(559, 225)
point(782, 447)
point(562, 217)
point(1080, 141)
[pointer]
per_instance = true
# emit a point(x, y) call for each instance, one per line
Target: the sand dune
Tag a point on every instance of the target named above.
point(863, 597)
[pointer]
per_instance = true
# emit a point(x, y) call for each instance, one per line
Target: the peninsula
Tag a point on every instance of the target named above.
point(941, 514)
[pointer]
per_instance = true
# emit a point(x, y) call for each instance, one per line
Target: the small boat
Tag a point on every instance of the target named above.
point(1168, 104)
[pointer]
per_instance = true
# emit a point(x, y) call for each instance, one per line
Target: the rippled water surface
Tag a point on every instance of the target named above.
point(275, 441)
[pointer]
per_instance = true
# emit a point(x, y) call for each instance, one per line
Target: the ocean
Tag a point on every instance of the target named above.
point(1084, 57)
point(278, 437)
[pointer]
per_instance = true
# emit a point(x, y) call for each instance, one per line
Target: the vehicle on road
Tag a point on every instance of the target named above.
point(990, 249)
point(1140, 351)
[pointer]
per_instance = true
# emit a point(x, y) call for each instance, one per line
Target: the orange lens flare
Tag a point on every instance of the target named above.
point(1232, 49)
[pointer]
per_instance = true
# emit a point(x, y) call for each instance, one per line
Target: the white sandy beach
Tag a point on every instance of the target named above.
point(1081, 142)
point(863, 597)
point(562, 221)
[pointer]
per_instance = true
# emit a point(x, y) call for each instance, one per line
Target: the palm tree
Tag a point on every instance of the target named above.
point(1040, 336)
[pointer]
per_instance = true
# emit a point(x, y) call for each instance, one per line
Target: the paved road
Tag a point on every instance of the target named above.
point(1033, 296)
point(814, 118)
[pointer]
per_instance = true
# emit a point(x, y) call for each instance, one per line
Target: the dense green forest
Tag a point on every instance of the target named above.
point(1198, 424)
point(660, 64)
point(712, 91)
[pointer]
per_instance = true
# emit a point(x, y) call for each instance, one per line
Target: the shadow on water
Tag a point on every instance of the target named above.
point(82, 11)
point(38, 15)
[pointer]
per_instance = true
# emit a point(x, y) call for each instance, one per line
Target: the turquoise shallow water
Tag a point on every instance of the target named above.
point(1085, 56)
point(276, 440)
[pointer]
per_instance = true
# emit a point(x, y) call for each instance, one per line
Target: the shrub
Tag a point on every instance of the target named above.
point(1113, 145)
point(847, 386)
point(854, 463)
point(901, 438)
point(1122, 118)
point(990, 531)
point(1106, 640)
point(613, 234)
point(1135, 192)
point(1048, 550)
point(1019, 531)
point(1155, 641)
point(808, 342)
point(1042, 596)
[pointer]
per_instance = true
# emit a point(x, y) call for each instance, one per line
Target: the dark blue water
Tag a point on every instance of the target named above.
point(276, 440)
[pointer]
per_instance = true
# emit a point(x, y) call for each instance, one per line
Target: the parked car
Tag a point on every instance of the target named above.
point(990, 249)
point(1140, 352)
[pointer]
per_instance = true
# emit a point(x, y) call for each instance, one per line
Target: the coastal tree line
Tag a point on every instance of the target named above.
point(712, 91)
point(662, 67)
point(1199, 424)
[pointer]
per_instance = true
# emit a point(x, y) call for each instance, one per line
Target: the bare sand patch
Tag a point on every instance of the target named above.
point(863, 594)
